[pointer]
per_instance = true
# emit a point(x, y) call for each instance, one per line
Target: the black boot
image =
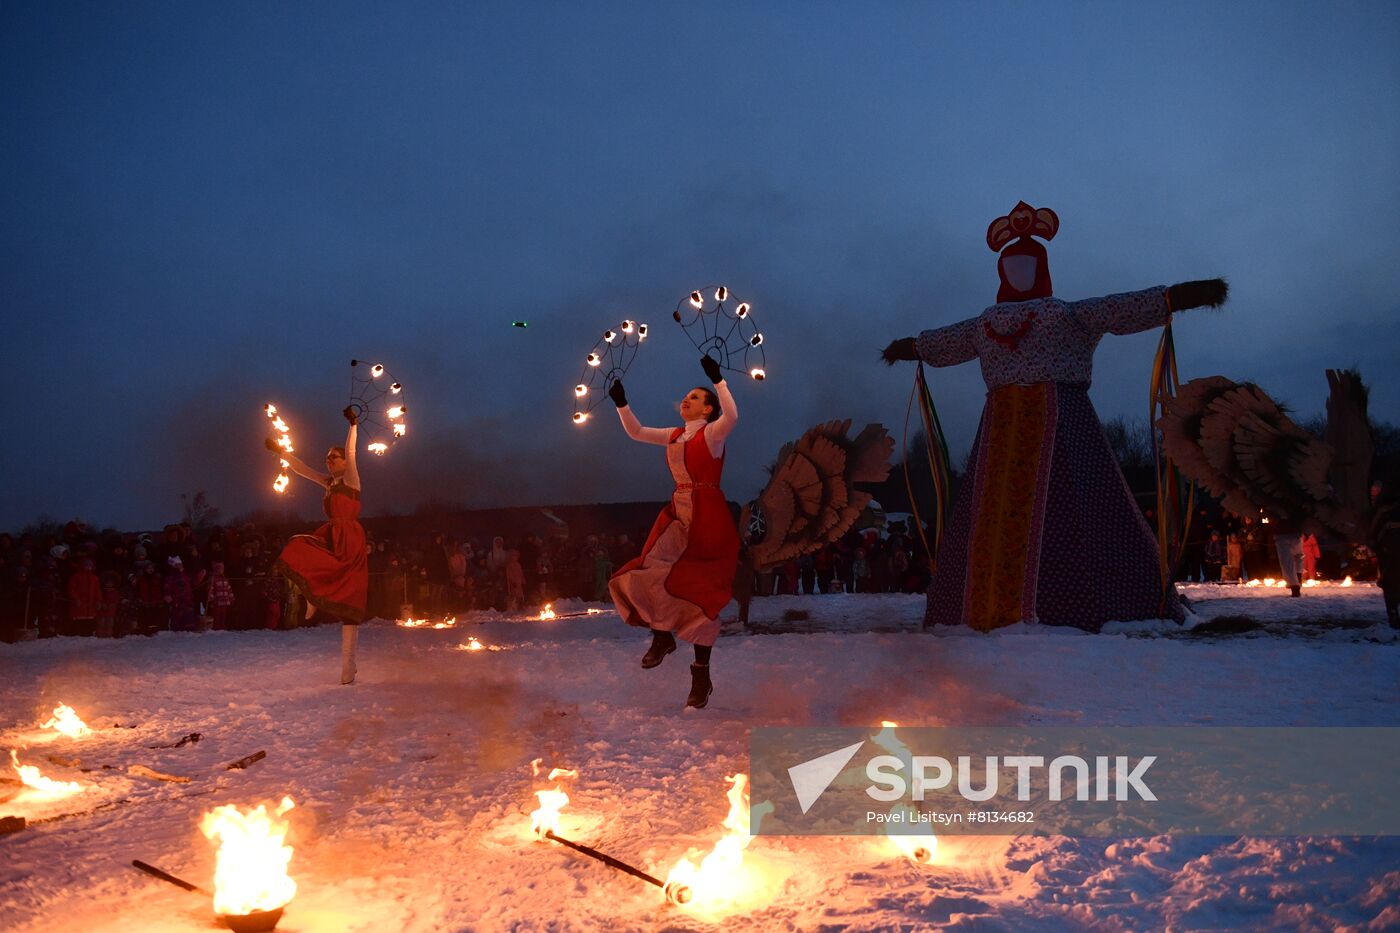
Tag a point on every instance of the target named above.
point(1297, 590)
point(662, 644)
point(700, 686)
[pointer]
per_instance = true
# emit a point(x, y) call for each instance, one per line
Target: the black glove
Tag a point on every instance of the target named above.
point(902, 349)
point(618, 394)
point(350, 415)
point(711, 368)
point(1204, 293)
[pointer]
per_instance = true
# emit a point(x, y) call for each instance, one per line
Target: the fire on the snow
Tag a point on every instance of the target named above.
point(250, 872)
point(252, 884)
point(721, 880)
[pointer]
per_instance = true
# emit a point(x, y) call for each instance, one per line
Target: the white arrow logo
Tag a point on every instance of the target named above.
point(811, 778)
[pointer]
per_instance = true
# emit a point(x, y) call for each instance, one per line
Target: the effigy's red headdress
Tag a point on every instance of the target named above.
point(1024, 266)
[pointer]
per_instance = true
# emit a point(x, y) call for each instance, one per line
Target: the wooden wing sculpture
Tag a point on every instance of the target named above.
point(811, 499)
point(1241, 447)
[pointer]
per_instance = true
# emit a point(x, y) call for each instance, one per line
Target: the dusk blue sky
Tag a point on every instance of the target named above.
point(207, 206)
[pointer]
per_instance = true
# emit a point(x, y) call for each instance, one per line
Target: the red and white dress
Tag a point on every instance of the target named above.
point(685, 574)
point(330, 566)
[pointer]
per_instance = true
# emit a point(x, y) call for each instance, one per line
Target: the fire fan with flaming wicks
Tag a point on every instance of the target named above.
point(251, 884)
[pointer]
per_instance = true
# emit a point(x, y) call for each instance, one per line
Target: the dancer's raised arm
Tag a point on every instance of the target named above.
point(630, 424)
point(719, 429)
point(352, 474)
point(296, 465)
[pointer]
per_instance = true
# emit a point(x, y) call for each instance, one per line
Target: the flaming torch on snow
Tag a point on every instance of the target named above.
point(544, 823)
point(42, 789)
point(721, 878)
point(918, 847)
point(65, 720)
point(251, 884)
point(548, 614)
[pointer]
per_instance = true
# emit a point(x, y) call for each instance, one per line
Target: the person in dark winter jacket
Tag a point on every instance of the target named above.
point(179, 597)
point(152, 614)
point(220, 595)
point(111, 583)
point(1385, 538)
point(1213, 557)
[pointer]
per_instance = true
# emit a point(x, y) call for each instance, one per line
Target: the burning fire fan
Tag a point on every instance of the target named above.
point(606, 364)
point(729, 336)
point(378, 400)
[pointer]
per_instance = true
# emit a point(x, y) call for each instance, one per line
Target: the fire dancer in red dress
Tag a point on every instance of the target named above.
point(685, 573)
point(329, 567)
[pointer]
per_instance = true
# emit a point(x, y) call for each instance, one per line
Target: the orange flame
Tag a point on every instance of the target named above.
point(251, 870)
point(720, 879)
point(545, 819)
point(547, 613)
point(918, 846)
point(1347, 582)
point(66, 721)
point(44, 788)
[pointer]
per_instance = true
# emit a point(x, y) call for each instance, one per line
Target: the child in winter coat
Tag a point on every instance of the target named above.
point(179, 597)
point(860, 572)
point(111, 600)
point(602, 572)
point(220, 595)
point(515, 582)
point(1213, 557)
point(1234, 557)
point(84, 599)
point(152, 615)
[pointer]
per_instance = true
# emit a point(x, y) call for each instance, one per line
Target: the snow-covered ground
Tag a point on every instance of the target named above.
point(413, 787)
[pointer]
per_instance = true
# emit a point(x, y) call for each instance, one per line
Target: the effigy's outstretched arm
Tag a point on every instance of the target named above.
point(941, 346)
point(1132, 312)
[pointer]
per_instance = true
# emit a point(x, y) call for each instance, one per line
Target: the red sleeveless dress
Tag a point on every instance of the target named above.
point(685, 574)
point(329, 566)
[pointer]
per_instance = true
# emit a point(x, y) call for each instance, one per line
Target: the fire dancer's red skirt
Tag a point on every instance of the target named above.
point(685, 574)
point(329, 567)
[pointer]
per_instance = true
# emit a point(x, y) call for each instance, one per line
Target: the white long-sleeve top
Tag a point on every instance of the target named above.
point(351, 477)
point(715, 433)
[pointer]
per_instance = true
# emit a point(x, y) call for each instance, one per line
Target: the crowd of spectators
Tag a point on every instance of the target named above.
point(76, 581)
point(1222, 547)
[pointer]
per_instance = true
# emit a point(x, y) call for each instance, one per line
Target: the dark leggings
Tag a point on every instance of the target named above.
point(702, 652)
